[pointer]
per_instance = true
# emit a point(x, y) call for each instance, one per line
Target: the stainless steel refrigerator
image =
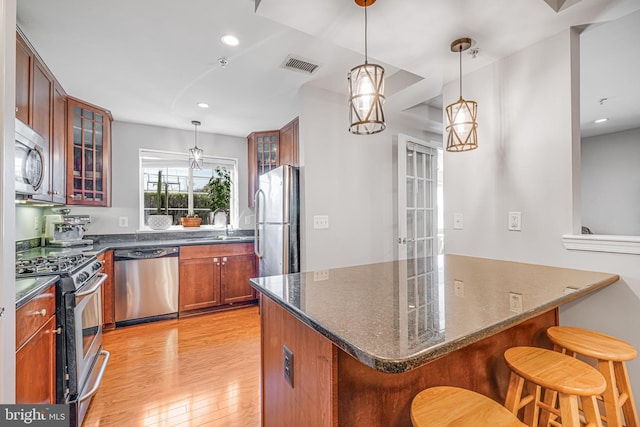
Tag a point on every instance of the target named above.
point(277, 242)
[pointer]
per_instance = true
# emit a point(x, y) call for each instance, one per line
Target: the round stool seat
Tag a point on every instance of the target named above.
point(555, 371)
point(591, 343)
point(453, 406)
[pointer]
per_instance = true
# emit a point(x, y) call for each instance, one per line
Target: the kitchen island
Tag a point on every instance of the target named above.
point(364, 340)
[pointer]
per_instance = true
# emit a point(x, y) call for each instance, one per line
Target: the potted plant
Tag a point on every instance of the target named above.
point(161, 221)
point(191, 220)
point(219, 190)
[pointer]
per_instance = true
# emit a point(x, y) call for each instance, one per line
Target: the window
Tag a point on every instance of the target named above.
point(185, 186)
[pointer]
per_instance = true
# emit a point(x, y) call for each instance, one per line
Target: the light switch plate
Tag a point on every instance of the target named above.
point(515, 221)
point(458, 286)
point(123, 221)
point(458, 221)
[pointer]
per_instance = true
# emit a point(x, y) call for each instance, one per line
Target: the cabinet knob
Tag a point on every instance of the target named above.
point(57, 331)
point(42, 312)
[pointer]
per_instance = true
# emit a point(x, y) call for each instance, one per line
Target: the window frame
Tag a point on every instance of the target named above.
point(230, 162)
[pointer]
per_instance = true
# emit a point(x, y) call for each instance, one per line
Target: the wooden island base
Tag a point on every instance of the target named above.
point(331, 388)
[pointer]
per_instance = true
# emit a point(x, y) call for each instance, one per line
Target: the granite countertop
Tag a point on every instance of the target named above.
point(136, 241)
point(30, 287)
point(393, 322)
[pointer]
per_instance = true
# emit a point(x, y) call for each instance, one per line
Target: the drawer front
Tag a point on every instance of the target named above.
point(208, 251)
point(31, 316)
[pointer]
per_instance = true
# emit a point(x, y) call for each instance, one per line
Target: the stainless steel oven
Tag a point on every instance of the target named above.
point(80, 360)
point(90, 359)
point(88, 324)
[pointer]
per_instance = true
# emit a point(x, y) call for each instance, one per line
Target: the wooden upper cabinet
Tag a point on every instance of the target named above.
point(88, 154)
point(264, 148)
point(24, 60)
point(270, 149)
point(58, 146)
point(40, 103)
point(289, 146)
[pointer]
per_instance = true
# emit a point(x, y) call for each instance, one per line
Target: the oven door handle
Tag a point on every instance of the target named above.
point(94, 288)
point(103, 368)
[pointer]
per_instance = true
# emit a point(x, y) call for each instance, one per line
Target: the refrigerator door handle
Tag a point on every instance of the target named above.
point(256, 241)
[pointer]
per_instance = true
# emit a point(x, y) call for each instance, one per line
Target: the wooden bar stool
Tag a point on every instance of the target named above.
point(555, 372)
point(611, 354)
point(453, 406)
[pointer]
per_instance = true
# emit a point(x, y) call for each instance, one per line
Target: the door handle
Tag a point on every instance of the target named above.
point(404, 240)
point(256, 241)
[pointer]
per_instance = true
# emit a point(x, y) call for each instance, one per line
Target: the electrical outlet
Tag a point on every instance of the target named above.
point(515, 221)
point(288, 366)
point(515, 302)
point(320, 275)
point(123, 221)
point(248, 219)
point(458, 286)
point(320, 221)
point(458, 221)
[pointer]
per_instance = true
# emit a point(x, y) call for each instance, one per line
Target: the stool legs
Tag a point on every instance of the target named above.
point(620, 397)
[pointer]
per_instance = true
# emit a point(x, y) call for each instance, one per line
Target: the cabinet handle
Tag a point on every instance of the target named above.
point(42, 312)
point(57, 331)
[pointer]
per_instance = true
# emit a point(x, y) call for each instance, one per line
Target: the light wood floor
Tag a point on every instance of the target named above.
point(199, 371)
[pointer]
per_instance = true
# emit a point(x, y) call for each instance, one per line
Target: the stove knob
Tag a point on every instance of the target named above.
point(96, 266)
point(83, 276)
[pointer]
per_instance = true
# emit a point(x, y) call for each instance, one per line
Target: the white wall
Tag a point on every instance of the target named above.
point(611, 183)
point(28, 222)
point(127, 139)
point(350, 178)
point(528, 141)
point(7, 197)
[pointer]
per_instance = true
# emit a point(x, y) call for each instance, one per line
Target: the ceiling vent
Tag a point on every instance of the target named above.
point(300, 65)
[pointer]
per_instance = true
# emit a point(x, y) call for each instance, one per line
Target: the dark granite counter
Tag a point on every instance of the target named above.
point(141, 240)
point(30, 287)
point(394, 322)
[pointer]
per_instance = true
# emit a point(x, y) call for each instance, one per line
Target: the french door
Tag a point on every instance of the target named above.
point(418, 241)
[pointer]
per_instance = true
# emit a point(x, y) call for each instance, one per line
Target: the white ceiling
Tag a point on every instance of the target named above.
point(152, 61)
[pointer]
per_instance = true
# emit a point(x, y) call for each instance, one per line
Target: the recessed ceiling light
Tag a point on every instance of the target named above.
point(203, 105)
point(230, 40)
point(601, 120)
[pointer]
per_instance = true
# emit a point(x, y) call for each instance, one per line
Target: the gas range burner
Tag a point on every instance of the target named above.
point(47, 265)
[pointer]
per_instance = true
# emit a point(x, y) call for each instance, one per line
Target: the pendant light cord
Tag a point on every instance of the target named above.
point(365, 33)
point(460, 50)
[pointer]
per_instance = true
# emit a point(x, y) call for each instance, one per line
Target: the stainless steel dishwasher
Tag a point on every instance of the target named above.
point(146, 284)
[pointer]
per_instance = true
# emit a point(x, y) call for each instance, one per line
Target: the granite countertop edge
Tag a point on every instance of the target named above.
point(100, 248)
point(397, 366)
point(41, 284)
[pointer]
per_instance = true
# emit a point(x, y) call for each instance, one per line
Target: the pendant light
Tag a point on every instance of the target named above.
point(366, 91)
point(462, 115)
point(195, 153)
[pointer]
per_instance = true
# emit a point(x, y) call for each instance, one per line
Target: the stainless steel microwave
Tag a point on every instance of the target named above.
point(31, 164)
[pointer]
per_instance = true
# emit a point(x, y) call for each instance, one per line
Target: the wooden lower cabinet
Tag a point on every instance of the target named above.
point(108, 292)
point(199, 283)
point(216, 276)
point(36, 350)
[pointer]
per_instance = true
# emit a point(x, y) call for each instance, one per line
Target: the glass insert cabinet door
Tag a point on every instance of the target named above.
point(88, 154)
point(264, 155)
